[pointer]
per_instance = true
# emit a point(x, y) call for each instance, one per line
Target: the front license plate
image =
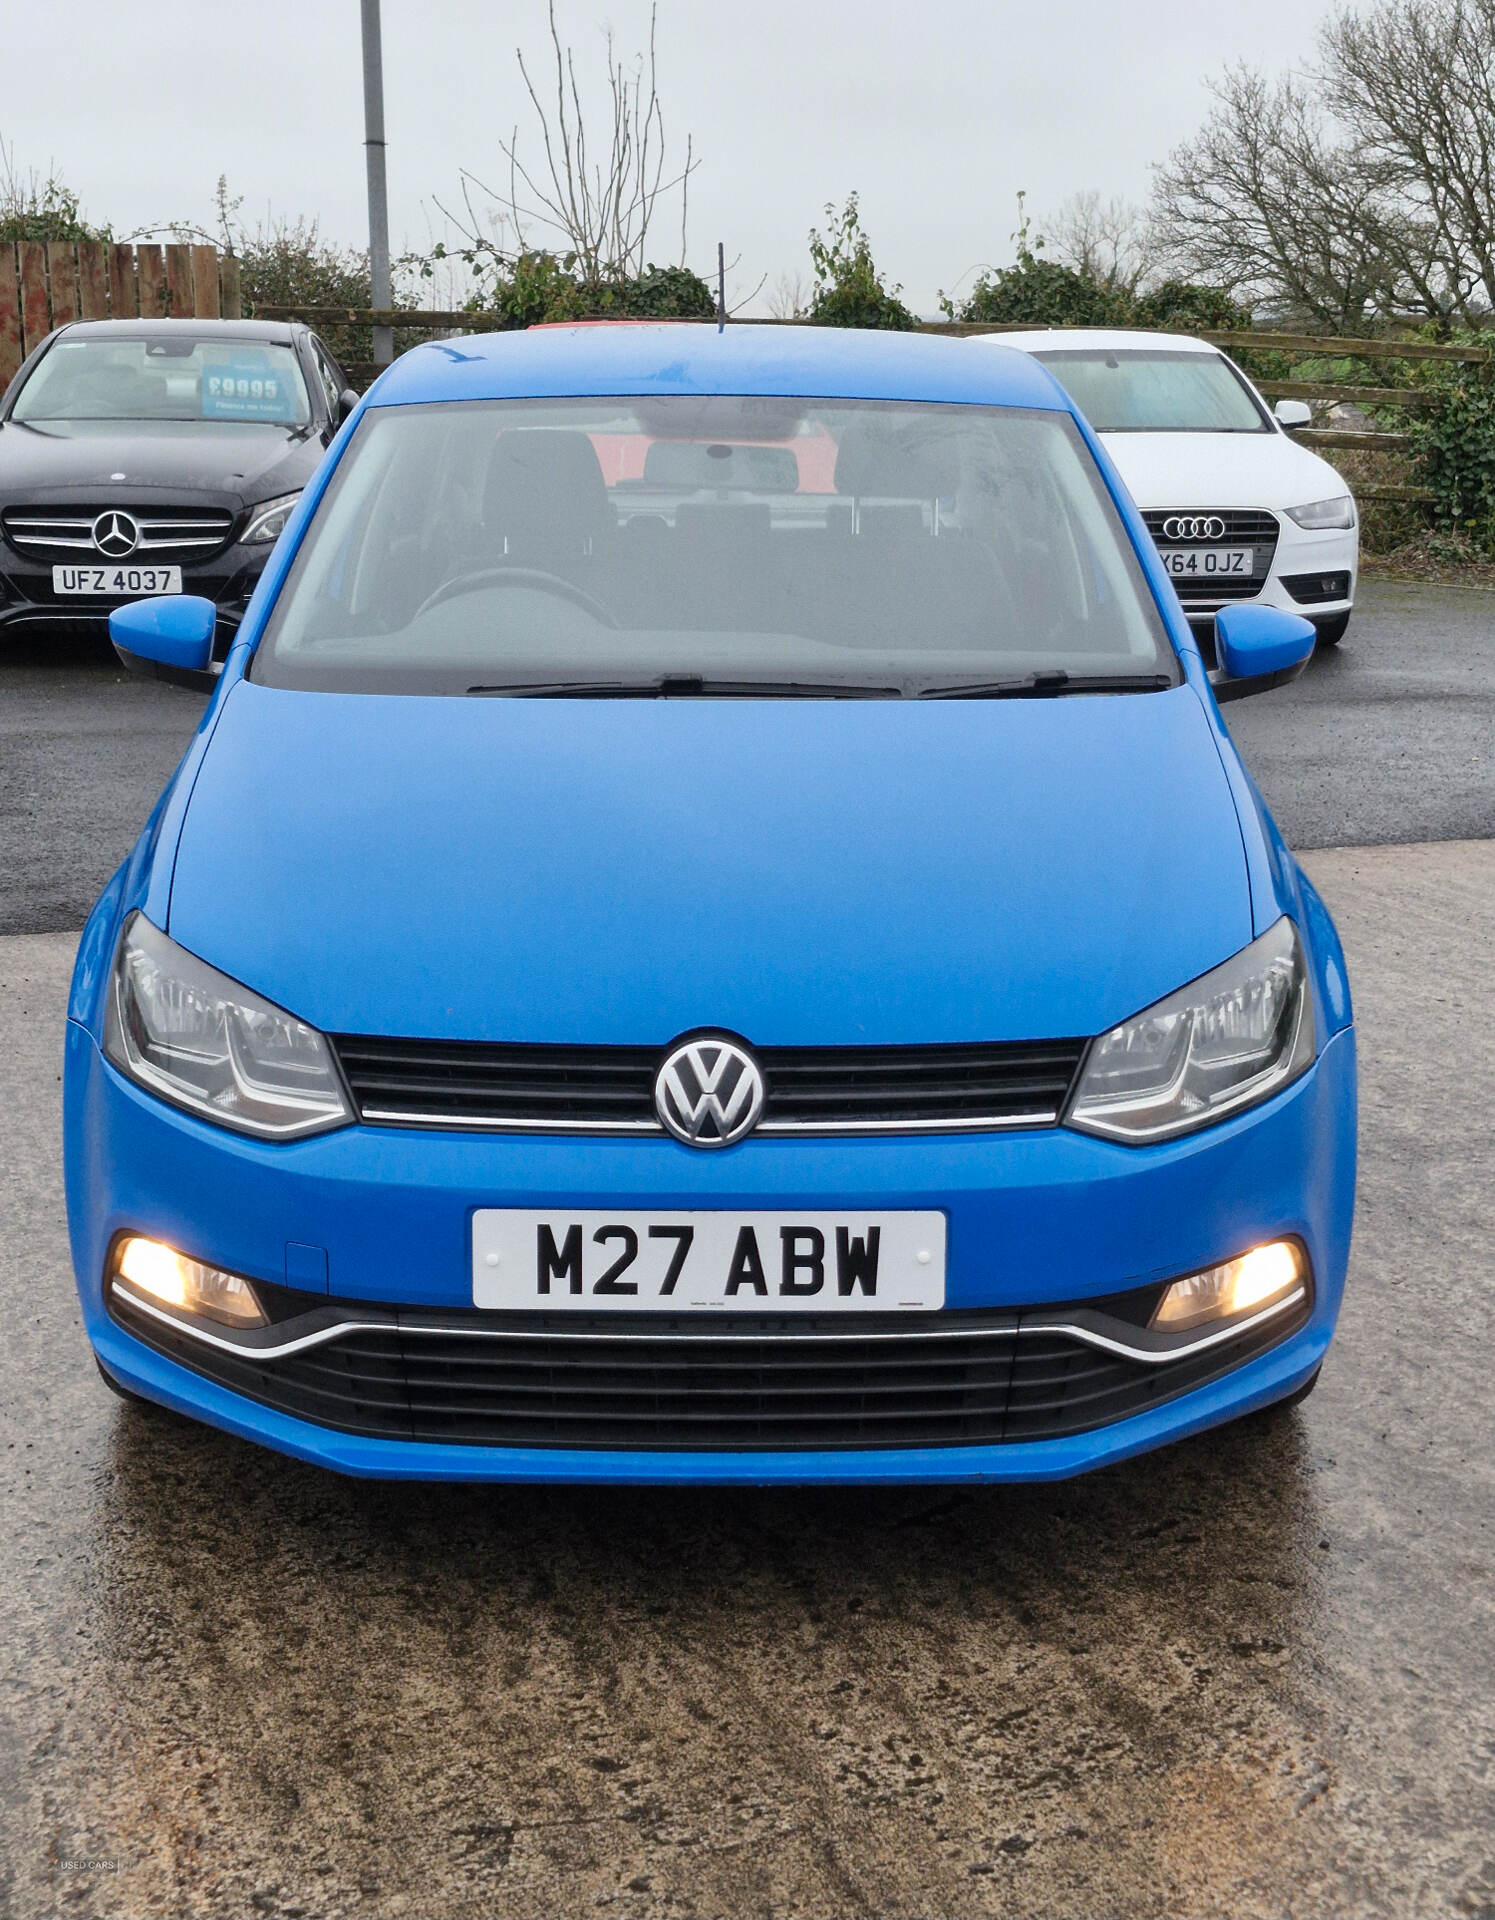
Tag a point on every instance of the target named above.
point(1207, 563)
point(116, 583)
point(708, 1262)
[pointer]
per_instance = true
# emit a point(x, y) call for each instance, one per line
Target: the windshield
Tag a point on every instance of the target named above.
point(1151, 391)
point(713, 544)
point(166, 379)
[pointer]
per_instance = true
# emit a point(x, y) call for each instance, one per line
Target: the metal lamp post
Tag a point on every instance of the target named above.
point(373, 147)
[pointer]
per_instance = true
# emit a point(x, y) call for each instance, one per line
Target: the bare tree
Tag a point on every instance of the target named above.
point(1106, 240)
point(789, 297)
point(598, 198)
point(1365, 185)
point(1413, 82)
point(1264, 202)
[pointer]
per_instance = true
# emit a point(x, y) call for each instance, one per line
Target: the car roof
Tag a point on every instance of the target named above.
point(281, 332)
point(700, 358)
point(1076, 339)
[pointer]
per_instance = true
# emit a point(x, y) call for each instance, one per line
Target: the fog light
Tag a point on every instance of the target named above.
point(170, 1277)
point(1256, 1279)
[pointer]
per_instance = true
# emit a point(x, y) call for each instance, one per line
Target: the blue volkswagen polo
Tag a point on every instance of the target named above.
point(711, 931)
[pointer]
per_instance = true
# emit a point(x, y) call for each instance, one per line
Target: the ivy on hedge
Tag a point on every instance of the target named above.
point(534, 286)
point(1453, 447)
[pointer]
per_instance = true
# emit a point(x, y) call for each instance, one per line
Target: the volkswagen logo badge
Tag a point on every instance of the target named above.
point(116, 534)
point(1193, 526)
point(709, 1091)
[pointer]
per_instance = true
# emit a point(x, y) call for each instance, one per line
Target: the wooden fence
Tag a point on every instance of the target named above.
point(437, 321)
point(47, 284)
point(42, 286)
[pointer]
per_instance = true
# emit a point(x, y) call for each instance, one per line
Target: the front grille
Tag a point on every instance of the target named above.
point(611, 1089)
point(166, 533)
point(1244, 526)
point(954, 1379)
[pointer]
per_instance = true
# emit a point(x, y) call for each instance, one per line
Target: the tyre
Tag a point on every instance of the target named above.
point(1295, 1398)
point(125, 1393)
point(1332, 630)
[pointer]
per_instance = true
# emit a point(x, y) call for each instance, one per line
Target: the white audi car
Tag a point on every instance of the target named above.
point(1239, 510)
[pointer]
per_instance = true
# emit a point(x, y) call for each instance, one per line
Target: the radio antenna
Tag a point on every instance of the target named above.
point(721, 287)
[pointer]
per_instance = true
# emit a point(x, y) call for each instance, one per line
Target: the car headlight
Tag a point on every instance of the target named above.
point(1234, 1037)
point(267, 520)
point(183, 1030)
point(1319, 515)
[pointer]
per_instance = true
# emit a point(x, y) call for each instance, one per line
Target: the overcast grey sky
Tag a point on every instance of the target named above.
point(937, 113)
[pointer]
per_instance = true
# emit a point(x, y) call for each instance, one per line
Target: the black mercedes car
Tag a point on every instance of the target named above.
point(157, 456)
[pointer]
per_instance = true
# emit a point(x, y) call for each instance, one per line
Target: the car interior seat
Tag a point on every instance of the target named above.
point(545, 502)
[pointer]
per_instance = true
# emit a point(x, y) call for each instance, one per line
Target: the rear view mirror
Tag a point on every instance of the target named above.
point(1258, 648)
point(347, 400)
point(167, 638)
point(1293, 413)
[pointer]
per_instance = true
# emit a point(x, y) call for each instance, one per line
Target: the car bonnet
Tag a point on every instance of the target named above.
point(1264, 470)
point(801, 872)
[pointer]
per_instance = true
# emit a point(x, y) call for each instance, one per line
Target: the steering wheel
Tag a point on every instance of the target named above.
point(535, 578)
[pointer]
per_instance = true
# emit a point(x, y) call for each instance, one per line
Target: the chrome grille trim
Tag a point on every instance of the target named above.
point(70, 530)
point(983, 1123)
point(1011, 1321)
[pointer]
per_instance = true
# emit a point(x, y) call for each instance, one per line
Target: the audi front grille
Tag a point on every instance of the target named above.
point(1174, 527)
point(558, 1089)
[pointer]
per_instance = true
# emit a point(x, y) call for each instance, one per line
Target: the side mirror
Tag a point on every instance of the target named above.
point(1259, 648)
point(1293, 413)
point(347, 400)
point(167, 638)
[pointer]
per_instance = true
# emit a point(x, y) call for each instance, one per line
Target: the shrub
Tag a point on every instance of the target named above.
point(535, 286)
point(669, 293)
point(1453, 449)
point(849, 290)
point(35, 209)
point(1184, 306)
point(1042, 293)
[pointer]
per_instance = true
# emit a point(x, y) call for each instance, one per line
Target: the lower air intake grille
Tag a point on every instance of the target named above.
point(956, 1379)
point(1314, 589)
point(611, 1089)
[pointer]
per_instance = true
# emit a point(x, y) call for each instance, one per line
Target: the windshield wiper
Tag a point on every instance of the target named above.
point(1051, 681)
point(688, 685)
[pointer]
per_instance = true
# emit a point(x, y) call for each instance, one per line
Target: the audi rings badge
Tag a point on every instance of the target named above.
point(1194, 526)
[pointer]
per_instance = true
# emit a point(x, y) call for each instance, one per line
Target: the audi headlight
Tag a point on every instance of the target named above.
point(1319, 515)
point(1234, 1037)
point(183, 1030)
point(267, 520)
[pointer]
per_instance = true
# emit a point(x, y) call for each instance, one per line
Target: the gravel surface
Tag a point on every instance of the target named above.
point(1248, 1675)
point(1388, 739)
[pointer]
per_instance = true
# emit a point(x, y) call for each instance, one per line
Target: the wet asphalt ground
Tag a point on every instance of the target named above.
point(1254, 1673)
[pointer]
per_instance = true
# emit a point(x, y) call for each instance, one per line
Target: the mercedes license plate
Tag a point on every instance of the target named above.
point(116, 582)
point(708, 1261)
point(1208, 563)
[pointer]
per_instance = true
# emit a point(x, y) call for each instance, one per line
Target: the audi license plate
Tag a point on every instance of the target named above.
point(1208, 563)
point(711, 1262)
point(115, 582)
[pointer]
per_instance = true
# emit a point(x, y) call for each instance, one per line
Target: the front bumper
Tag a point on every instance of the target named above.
point(1313, 574)
point(1034, 1219)
point(227, 579)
